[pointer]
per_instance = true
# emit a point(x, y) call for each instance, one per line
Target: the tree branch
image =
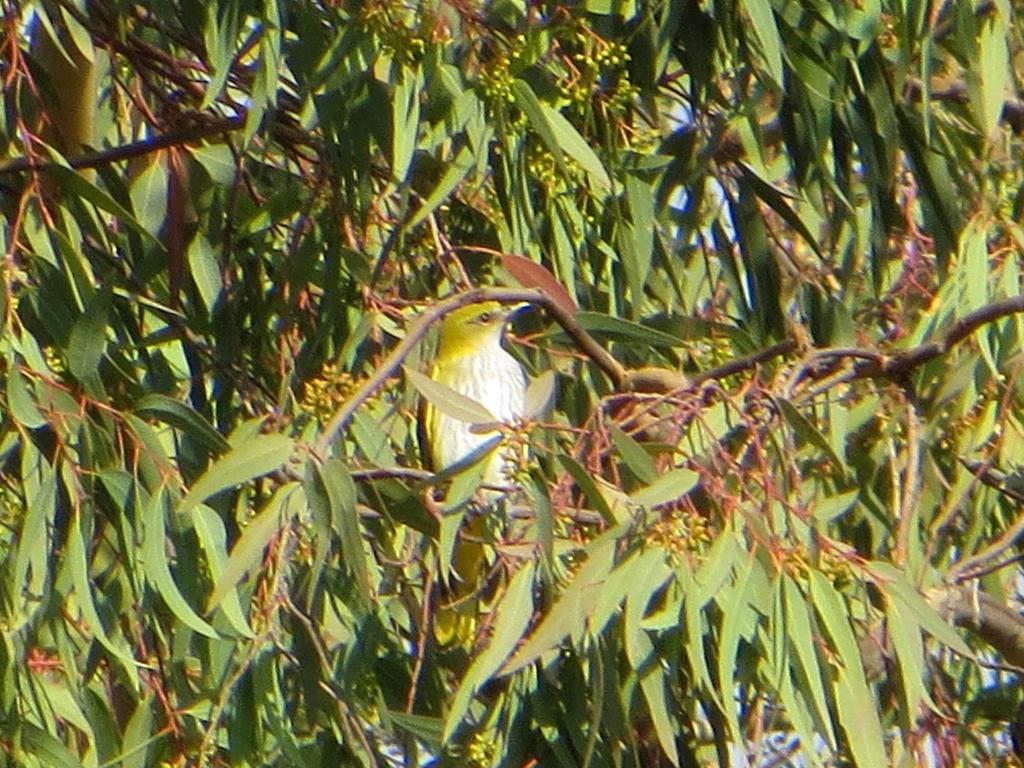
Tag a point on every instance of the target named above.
point(998, 625)
point(901, 363)
point(186, 135)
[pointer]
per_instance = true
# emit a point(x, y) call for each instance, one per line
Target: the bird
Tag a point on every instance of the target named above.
point(471, 360)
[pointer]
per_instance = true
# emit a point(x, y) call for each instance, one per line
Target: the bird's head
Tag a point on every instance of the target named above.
point(474, 328)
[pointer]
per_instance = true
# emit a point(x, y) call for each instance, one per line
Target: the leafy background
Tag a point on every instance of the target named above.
point(776, 523)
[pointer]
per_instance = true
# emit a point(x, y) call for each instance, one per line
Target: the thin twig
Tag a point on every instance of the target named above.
point(423, 637)
point(970, 567)
point(906, 513)
point(747, 362)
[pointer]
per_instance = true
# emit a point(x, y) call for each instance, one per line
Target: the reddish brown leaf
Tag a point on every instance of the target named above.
point(533, 275)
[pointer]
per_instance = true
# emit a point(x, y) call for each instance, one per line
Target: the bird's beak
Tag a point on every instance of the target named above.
point(513, 310)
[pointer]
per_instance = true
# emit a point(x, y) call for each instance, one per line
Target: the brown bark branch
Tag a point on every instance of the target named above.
point(869, 363)
point(173, 138)
point(901, 363)
point(997, 624)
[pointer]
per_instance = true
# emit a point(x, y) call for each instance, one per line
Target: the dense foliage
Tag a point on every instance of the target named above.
point(770, 509)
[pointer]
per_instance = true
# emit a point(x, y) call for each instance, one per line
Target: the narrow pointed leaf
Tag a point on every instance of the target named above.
point(515, 611)
point(20, 401)
point(183, 417)
point(540, 394)
point(157, 568)
point(448, 401)
point(248, 551)
point(253, 458)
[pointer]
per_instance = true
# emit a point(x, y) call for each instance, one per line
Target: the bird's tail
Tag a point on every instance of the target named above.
point(455, 623)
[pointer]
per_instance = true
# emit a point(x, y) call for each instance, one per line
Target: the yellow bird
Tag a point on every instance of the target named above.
point(471, 360)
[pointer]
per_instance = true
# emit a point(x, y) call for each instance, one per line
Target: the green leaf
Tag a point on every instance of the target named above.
point(617, 329)
point(993, 70)
point(48, 34)
point(905, 635)
point(88, 342)
point(154, 464)
point(626, 9)
point(248, 551)
point(149, 194)
point(568, 616)
point(79, 568)
point(716, 569)
point(806, 431)
point(937, 188)
point(339, 493)
point(219, 32)
point(20, 401)
point(634, 455)
point(528, 102)
point(795, 707)
point(514, 613)
point(858, 710)
point(835, 616)
point(47, 747)
point(205, 270)
point(67, 709)
point(973, 271)
point(833, 507)
point(259, 456)
point(218, 161)
point(540, 394)
point(696, 624)
point(537, 494)
point(33, 543)
point(466, 476)
point(637, 237)
point(804, 650)
point(669, 487)
point(576, 147)
point(405, 120)
point(78, 35)
point(372, 439)
point(183, 417)
point(635, 582)
point(588, 487)
point(158, 571)
point(767, 33)
point(74, 185)
point(137, 737)
point(212, 536)
point(896, 585)
point(457, 170)
point(427, 729)
point(560, 137)
point(761, 280)
point(858, 714)
point(738, 620)
point(653, 686)
point(776, 200)
point(448, 401)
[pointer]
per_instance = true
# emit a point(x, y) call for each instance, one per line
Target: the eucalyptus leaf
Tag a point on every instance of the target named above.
point(448, 401)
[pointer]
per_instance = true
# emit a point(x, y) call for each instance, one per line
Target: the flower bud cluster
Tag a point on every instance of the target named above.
point(401, 43)
point(323, 394)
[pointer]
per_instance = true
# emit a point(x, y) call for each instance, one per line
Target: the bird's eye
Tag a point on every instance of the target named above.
point(486, 317)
